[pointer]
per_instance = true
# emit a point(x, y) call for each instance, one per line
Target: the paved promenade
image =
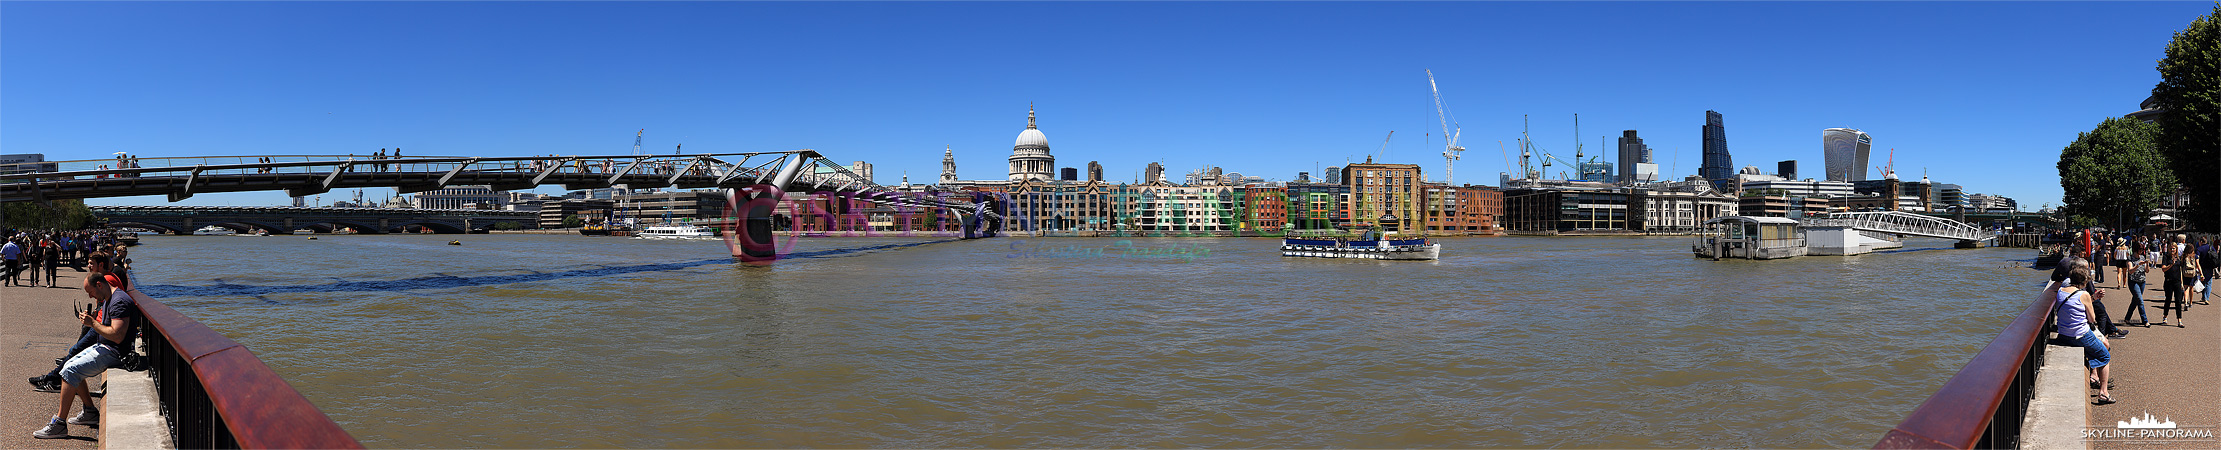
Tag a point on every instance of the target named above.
point(38, 328)
point(2169, 372)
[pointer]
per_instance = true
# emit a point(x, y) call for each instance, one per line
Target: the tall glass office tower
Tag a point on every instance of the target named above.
point(1633, 152)
point(1719, 168)
point(1846, 151)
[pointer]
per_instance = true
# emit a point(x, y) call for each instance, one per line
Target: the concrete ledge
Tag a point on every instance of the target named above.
point(2056, 417)
point(133, 416)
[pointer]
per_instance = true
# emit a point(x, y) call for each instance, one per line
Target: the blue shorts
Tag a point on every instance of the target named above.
point(2094, 350)
point(89, 363)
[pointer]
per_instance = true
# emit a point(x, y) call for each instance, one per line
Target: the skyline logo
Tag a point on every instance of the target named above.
point(2148, 429)
point(2146, 422)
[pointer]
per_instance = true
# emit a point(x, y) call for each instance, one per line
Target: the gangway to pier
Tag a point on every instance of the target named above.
point(1905, 223)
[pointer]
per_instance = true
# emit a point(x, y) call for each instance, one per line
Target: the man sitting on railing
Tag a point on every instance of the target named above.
point(2073, 312)
point(114, 323)
point(100, 265)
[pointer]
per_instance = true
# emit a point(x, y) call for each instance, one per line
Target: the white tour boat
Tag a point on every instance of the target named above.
point(677, 232)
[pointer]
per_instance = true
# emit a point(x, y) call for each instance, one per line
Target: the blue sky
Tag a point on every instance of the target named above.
point(1982, 94)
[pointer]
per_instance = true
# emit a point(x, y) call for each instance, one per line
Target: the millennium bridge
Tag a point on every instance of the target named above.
point(279, 220)
point(754, 183)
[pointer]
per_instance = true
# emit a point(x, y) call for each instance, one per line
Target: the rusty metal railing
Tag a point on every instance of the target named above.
point(216, 394)
point(1984, 404)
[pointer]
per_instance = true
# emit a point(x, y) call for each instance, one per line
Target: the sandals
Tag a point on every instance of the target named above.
point(2105, 400)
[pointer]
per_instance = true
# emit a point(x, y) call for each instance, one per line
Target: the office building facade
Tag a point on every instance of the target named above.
point(1846, 150)
point(1719, 166)
point(1632, 153)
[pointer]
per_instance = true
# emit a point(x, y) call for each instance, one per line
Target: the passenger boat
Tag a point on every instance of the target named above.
point(1373, 245)
point(213, 230)
point(1745, 237)
point(677, 232)
point(304, 231)
point(602, 230)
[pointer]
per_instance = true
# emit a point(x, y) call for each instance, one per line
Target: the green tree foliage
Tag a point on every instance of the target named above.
point(2189, 92)
point(65, 215)
point(2113, 174)
point(572, 221)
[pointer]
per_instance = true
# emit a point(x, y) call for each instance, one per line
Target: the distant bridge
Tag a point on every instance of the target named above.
point(2033, 219)
point(754, 181)
point(281, 220)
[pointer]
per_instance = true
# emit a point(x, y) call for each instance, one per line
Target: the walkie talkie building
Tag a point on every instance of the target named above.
point(1846, 151)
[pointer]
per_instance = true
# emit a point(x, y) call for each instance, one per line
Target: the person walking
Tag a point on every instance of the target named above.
point(35, 253)
point(2121, 258)
point(2100, 257)
point(2173, 266)
point(2139, 265)
point(11, 255)
point(53, 263)
point(2206, 260)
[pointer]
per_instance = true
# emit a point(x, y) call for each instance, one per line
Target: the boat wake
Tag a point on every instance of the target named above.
point(444, 281)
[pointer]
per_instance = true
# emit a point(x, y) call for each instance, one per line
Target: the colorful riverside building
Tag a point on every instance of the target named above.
point(1462, 210)
point(1317, 208)
point(1264, 208)
point(1354, 197)
point(1386, 195)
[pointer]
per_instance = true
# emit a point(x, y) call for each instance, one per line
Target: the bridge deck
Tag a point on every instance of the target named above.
point(1897, 222)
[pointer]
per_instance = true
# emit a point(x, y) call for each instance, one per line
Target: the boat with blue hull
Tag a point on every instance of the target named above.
point(1419, 249)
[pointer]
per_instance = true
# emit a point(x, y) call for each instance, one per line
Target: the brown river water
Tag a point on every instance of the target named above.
point(567, 341)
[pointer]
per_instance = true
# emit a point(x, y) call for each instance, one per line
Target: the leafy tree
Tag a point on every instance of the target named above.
point(2114, 173)
point(2189, 92)
point(65, 215)
point(572, 221)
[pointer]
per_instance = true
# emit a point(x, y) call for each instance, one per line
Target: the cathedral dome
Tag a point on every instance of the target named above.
point(1030, 159)
point(1032, 137)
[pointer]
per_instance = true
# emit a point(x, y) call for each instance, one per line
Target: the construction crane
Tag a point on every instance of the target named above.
point(636, 140)
point(1450, 148)
point(1384, 146)
point(1527, 154)
point(1889, 169)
